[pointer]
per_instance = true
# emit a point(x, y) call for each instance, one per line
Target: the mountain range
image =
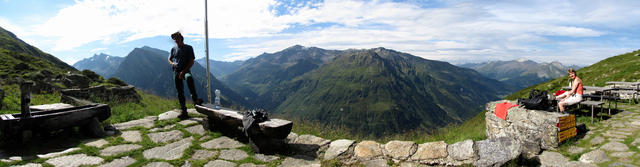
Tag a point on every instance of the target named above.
point(520, 73)
point(372, 91)
point(147, 69)
point(102, 64)
point(220, 69)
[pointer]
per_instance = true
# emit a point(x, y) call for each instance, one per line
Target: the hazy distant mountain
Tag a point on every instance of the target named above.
point(373, 91)
point(521, 73)
point(147, 69)
point(18, 58)
point(220, 69)
point(102, 64)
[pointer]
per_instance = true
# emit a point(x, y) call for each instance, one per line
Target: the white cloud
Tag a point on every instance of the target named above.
point(454, 31)
point(97, 50)
point(9, 26)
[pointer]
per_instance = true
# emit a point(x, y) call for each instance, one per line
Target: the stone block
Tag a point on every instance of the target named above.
point(400, 150)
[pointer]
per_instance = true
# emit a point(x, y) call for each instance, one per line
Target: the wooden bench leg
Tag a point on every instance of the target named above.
point(592, 114)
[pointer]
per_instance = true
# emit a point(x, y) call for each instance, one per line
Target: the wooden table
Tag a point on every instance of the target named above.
point(614, 83)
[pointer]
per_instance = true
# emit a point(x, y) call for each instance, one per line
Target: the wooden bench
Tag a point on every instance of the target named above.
point(592, 104)
point(268, 136)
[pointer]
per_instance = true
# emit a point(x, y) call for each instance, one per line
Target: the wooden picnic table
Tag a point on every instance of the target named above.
point(631, 84)
point(596, 89)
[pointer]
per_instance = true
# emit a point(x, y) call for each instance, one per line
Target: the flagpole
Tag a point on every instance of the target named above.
point(206, 39)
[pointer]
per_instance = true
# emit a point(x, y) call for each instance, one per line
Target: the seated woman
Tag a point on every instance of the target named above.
point(575, 95)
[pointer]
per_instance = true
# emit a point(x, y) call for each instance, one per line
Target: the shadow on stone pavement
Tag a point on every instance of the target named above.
point(43, 145)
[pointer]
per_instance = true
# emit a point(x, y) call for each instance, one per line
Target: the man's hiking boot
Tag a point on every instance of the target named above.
point(198, 102)
point(183, 115)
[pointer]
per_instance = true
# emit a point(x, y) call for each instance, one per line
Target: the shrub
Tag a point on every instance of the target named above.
point(116, 81)
point(92, 75)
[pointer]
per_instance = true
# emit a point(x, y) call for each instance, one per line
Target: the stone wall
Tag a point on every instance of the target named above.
point(104, 94)
point(534, 130)
point(490, 152)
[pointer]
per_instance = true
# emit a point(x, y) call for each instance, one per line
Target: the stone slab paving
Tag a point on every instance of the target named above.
point(608, 144)
point(251, 165)
point(265, 158)
point(75, 160)
point(55, 154)
point(131, 136)
point(97, 143)
point(114, 150)
point(158, 164)
point(300, 161)
point(164, 137)
point(146, 122)
point(124, 161)
point(614, 146)
point(30, 165)
point(170, 151)
point(189, 121)
point(221, 142)
point(203, 154)
point(219, 163)
point(198, 129)
point(233, 155)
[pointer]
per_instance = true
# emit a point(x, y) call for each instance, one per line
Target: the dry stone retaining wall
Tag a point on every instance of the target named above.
point(490, 152)
point(534, 130)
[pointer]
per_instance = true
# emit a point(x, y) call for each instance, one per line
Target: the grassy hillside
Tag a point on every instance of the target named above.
point(19, 57)
point(624, 67)
point(473, 128)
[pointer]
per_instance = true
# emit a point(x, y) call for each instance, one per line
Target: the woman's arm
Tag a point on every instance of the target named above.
point(574, 87)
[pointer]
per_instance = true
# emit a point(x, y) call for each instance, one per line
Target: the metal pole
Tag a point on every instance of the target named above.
point(206, 39)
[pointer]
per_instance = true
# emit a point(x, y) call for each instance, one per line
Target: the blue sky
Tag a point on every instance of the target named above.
point(456, 31)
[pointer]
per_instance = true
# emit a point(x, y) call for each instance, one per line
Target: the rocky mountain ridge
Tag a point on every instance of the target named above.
point(522, 72)
point(392, 91)
point(103, 64)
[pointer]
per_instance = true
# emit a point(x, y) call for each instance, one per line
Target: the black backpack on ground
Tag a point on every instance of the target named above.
point(537, 100)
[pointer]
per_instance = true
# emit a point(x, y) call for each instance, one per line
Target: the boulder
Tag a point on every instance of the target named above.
point(533, 130)
point(400, 150)
point(595, 156)
point(367, 150)
point(76, 81)
point(429, 152)
point(548, 158)
point(496, 151)
point(462, 151)
point(338, 148)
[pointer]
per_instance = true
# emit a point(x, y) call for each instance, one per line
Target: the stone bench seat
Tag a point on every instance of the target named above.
point(273, 128)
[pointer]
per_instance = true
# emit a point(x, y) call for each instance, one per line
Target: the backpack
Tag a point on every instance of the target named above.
point(252, 118)
point(537, 100)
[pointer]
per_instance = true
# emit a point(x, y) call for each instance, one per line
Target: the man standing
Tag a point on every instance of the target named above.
point(181, 60)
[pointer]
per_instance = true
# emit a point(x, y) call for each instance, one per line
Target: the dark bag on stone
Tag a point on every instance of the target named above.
point(537, 100)
point(252, 118)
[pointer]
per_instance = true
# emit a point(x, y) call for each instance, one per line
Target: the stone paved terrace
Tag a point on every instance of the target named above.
point(164, 140)
point(613, 142)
